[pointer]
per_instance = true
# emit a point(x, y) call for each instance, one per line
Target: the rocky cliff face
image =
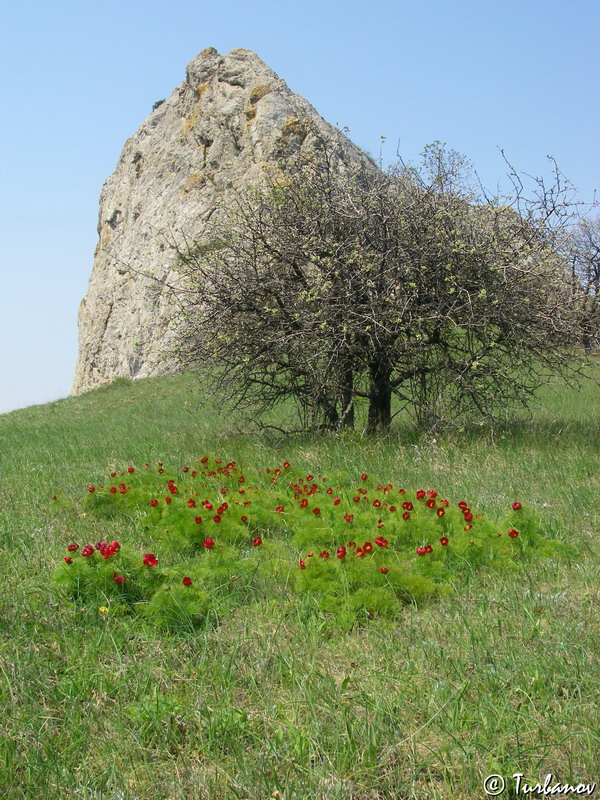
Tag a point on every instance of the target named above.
point(230, 119)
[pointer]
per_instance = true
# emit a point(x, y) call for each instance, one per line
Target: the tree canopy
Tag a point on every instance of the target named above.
point(339, 286)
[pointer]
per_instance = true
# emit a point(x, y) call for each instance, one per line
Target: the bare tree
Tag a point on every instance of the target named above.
point(334, 286)
point(585, 262)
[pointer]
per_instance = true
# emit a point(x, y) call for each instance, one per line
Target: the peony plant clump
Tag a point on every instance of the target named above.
point(204, 538)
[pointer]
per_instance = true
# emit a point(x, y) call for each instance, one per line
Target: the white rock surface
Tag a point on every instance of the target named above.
point(229, 119)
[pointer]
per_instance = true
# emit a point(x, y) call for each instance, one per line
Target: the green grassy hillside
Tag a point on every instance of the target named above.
point(501, 677)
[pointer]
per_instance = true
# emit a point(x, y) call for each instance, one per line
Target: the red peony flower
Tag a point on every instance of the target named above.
point(68, 560)
point(198, 520)
point(406, 515)
point(440, 512)
point(444, 541)
point(91, 489)
point(428, 548)
point(113, 474)
point(516, 506)
point(303, 502)
point(204, 460)
point(167, 499)
point(161, 471)
point(87, 551)
point(150, 560)
point(119, 578)
point(316, 511)
point(243, 519)
point(286, 464)
point(420, 494)
point(130, 470)
point(392, 508)
point(257, 541)
point(349, 518)
point(421, 551)
point(364, 476)
point(383, 570)
point(336, 501)
point(72, 548)
point(302, 564)
point(185, 469)
point(113, 490)
point(187, 581)
point(377, 503)
point(430, 503)
point(341, 552)
point(279, 509)
point(324, 554)
point(381, 542)
point(209, 543)
point(191, 503)
point(356, 499)
point(329, 490)
point(154, 503)
point(217, 518)
point(359, 552)
point(407, 506)
point(468, 517)
point(513, 533)
point(367, 547)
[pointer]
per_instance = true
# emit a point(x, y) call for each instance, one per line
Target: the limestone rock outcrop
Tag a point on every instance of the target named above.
point(230, 119)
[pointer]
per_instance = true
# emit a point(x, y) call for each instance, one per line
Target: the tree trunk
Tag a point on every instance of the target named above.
point(380, 401)
point(348, 400)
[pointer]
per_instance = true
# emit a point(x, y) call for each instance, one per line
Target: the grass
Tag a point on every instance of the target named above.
point(274, 702)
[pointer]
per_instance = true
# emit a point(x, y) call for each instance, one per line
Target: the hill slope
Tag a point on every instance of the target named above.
point(502, 678)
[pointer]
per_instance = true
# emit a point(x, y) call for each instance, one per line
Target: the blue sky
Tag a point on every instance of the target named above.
point(78, 78)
